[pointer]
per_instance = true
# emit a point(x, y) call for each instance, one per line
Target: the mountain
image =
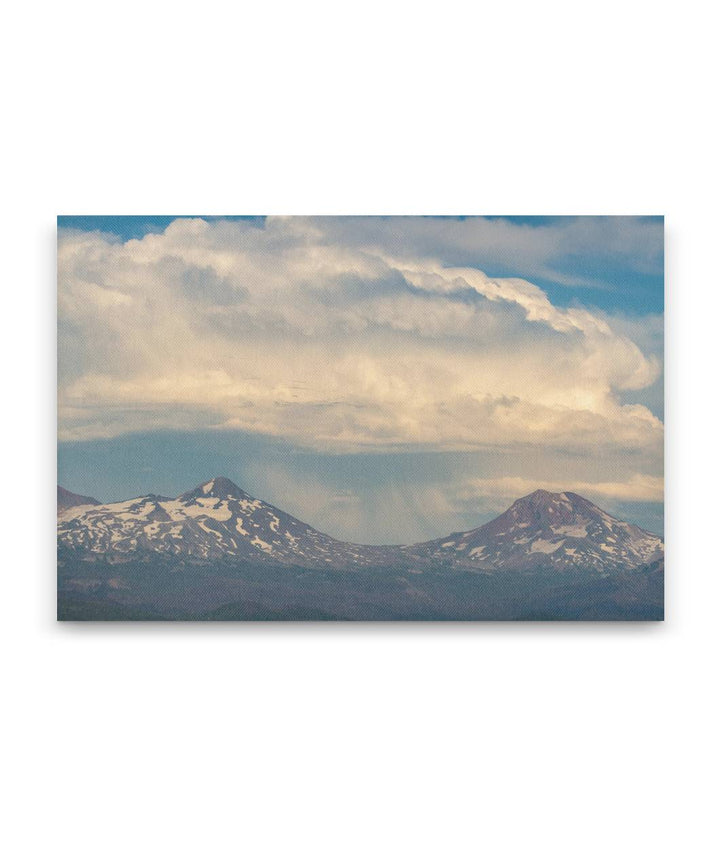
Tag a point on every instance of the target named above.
point(562, 531)
point(217, 553)
point(66, 499)
point(218, 520)
point(215, 520)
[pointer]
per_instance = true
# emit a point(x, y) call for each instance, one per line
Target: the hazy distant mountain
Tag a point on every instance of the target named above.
point(216, 552)
point(557, 530)
point(66, 499)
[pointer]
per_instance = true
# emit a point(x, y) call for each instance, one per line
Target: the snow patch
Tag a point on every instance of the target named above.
point(541, 546)
point(206, 528)
point(262, 545)
point(203, 507)
point(248, 505)
point(75, 511)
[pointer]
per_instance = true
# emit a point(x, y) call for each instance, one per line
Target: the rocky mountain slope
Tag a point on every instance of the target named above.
point(66, 499)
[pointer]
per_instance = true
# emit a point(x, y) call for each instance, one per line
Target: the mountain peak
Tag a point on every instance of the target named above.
point(566, 501)
point(218, 487)
point(541, 495)
point(559, 530)
point(221, 484)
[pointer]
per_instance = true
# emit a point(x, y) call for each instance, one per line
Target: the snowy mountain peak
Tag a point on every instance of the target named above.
point(219, 521)
point(559, 530)
point(541, 495)
point(547, 507)
point(215, 520)
point(546, 498)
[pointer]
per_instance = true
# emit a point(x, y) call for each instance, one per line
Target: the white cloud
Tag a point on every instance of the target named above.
point(335, 343)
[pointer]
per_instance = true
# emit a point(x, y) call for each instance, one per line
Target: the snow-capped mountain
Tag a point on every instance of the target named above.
point(217, 553)
point(217, 520)
point(550, 530)
point(214, 520)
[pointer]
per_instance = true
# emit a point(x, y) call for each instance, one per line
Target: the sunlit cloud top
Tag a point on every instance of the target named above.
point(336, 339)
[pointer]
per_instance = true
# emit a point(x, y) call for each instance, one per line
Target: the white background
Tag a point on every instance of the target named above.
point(504, 739)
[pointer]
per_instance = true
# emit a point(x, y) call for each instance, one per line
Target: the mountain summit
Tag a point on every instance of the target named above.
point(558, 530)
point(214, 521)
point(217, 488)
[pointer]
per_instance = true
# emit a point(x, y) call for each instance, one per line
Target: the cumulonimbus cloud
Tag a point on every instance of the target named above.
point(284, 329)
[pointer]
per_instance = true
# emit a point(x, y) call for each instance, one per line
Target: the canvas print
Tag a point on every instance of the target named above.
point(360, 418)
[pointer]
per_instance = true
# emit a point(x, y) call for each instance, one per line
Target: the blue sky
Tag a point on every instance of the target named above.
point(385, 379)
point(125, 227)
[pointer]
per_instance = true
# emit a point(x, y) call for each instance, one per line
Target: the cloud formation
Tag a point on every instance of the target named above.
point(284, 329)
